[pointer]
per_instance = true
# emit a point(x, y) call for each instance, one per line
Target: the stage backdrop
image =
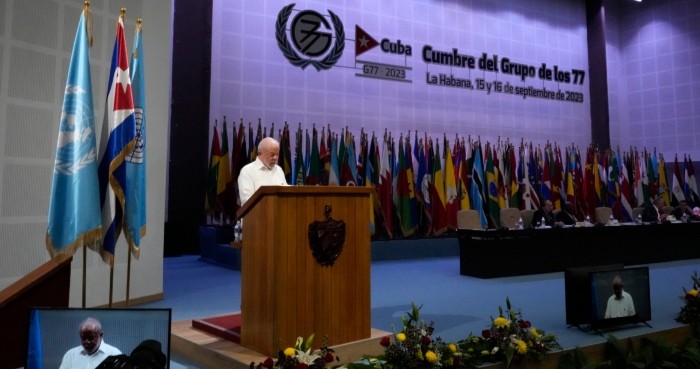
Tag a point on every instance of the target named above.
point(484, 68)
point(653, 53)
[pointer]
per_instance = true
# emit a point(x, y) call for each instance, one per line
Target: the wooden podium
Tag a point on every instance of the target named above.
point(285, 292)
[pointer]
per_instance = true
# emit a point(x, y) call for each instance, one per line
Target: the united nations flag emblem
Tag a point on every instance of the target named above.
point(313, 37)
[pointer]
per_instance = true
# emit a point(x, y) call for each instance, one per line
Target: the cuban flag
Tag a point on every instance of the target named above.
point(117, 141)
point(135, 207)
point(74, 219)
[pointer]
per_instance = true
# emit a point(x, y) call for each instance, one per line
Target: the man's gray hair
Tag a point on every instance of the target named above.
point(658, 200)
point(92, 322)
point(267, 143)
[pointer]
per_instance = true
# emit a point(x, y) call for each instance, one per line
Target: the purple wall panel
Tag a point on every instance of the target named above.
point(656, 44)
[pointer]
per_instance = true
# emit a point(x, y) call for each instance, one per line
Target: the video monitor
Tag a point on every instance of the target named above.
point(54, 331)
point(577, 283)
point(619, 297)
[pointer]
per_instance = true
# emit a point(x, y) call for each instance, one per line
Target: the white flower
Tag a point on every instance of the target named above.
point(494, 351)
point(306, 357)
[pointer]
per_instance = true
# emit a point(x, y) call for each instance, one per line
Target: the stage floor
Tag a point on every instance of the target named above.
point(458, 304)
point(213, 352)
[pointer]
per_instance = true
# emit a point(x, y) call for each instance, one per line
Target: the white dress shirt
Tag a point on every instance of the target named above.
point(256, 175)
point(620, 308)
point(78, 358)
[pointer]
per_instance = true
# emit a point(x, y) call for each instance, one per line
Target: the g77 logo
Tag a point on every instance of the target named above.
point(308, 39)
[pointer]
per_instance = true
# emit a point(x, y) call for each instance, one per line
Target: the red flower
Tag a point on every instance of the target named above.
point(385, 341)
point(301, 366)
point(689, 296)
point(516, 359)
point(524, 323)
point(426, 340)
point(455, 361)
point(486, 333)
point(268, 363)
point(538, 347)
point(329, 357)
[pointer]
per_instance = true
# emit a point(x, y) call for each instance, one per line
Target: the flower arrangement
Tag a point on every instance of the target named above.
point(300, 356)
point(413, 347)
point(690, 311)
point(510, 338)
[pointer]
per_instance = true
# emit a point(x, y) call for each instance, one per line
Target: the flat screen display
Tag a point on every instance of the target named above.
point(54, 331)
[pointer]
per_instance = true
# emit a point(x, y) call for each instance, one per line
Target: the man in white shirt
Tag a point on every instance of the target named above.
point(93, 349)
point(620, 304)
point(264, 171)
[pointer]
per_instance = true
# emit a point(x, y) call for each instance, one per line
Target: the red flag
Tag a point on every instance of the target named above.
point(363, 41)
point(591, 183)
point(384, 189)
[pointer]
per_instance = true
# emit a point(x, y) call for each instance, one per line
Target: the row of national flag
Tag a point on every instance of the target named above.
point(99, 192)
point(422, 182)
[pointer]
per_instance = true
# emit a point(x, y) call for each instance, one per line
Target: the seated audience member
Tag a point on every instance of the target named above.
point(683, 208)
point(93, 349)
point(566, 215)
point(546, 213)
point(696, 212)
point(147, 355)
point(653, 213)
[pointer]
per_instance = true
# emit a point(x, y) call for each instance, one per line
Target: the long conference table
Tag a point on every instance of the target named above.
point(511, 252)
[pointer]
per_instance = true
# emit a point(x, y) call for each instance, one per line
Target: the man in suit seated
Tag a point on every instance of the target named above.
point(653, 213)
point(546, 213)
point(683, 208)
point(566, 215)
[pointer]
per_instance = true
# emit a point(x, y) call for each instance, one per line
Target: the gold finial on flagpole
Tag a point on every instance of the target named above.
point(123, 13)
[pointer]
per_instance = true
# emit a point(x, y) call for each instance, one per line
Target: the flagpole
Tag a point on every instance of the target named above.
point(128, 276)
point(84, 273)
point(111, 279)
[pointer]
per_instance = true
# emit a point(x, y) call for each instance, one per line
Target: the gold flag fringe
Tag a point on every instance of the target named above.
point(91, 238)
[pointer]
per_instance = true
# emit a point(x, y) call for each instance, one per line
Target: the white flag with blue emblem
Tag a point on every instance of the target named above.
point(135, 207)
point(117, 141)
point(74, 210)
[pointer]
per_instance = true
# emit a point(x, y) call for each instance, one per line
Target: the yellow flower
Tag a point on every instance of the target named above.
point(693, 292)
point(522, 346)
point(289, 351)
point(452, 347)
point(430, 356)
point(419, 354)
point(401, 337)
point(485, 352)
point(501, 322)
point(534, 333)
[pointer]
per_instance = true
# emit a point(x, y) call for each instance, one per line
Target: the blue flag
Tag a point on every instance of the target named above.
point(35, 352)
point(74, 210)
point(476, 188)
point(117, 141)
point(135, 207)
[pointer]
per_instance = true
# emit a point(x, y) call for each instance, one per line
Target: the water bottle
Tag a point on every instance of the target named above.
point(542, 222)
point(237, 232)
point(639, 219)
point(588, 221)
point(684, 218)
point(610, 221)
point(520, 223)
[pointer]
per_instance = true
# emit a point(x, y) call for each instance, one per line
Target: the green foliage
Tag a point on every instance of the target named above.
point(660, 354)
